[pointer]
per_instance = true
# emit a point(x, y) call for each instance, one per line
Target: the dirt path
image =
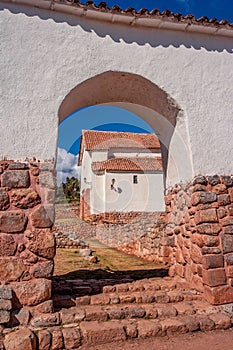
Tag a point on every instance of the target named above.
point(215, 340)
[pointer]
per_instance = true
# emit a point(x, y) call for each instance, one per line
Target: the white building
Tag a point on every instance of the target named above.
point(121, 172)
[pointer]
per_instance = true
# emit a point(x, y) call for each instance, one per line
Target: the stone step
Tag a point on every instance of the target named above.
point(81, 333)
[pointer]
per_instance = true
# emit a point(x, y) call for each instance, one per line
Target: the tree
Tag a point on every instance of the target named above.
point(69, 190)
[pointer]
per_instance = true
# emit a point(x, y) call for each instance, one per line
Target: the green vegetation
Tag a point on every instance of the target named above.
point(68, 191)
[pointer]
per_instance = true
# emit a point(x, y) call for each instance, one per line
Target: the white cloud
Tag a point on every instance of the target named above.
point(67, 165)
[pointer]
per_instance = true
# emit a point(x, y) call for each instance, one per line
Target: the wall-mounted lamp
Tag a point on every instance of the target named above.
point(86, 182)
point(112, 184)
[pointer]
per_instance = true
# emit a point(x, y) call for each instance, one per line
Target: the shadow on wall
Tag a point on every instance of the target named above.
point(128, 34)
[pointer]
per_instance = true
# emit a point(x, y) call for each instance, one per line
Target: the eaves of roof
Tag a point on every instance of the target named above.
point(143, 18)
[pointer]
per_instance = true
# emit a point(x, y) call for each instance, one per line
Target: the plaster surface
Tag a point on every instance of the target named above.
point(47, 54)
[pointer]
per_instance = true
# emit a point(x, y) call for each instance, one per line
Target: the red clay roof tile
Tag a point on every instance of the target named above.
point(104, 140)
point(129, 164)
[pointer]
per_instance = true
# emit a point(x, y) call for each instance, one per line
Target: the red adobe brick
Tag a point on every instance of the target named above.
point(212, 261)
point(214, 277)
point(208, 215)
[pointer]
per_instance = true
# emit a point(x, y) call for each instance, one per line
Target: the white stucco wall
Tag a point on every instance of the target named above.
point(46, 54)
point(147, 195)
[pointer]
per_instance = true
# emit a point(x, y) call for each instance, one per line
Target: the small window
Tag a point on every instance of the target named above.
point(135, 179)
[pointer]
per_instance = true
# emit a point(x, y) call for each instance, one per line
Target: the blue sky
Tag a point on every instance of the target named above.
point(221, 9)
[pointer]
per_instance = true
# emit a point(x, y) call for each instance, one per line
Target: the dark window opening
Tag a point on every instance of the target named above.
point(135, 179)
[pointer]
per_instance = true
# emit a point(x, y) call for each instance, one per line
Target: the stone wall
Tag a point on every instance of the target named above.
point(117, 229)
point(27, 245)
point(196, 236)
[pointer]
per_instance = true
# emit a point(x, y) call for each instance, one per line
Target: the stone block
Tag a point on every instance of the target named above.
point(203, 198)
point(213, 180)
point(210, 241)
point(4, 200)
point(5, 304)
point(166, 311)
point(209, 229)
point(185, 308)
point(196, 254)
point(4, 316)
point(221, 212)
point(229, 259)
point(45, 307)
point(43, 216)
point(227, 221)
point(41, 242)
point(131, 330)
point(227, 243)
point(221, 321)
point(5, 292)
point(44, 339)
point(210, 250)
point(23, 339)
point(95, 333)
point(16, 179)
point(96, 313)
point(32, 292)
point(11, 269)
point(12, 221)
point(227, 180)
point(72, 338)
point(207, 215)
point(57, 340)
point(191, 323)
point(149, 328)
point(201, 180)
point(218, 295)
point(115, 313)
point(206, 323)
point(228, 230)
point(224, 199)
point(100, 299)
point(46, 320)
point(25, 198)
point(42, 269)
point(72, 315)
point(23, 317)
point(47, 179)
point(7, 245)
point(18, 166)
point(230, 209)
point(134, 312)
point(214, 277)
point(212, 261)
point(173, 326)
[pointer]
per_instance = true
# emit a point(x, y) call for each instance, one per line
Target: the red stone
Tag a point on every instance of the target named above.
point(209, 229)
point(221, 321)
point(224, 199)
point(57, 340)
point(95, 333)
point(4, 200)
point(7, 245)
point(11, 269)
point(208, 215)
point(42, 269)
point(25, 198)
point(218, 295)
point(227, 243)
point(227, 221)
point(21, 339)
point(214, 277)
point(206, 323)
point(46, 179)
point(210, 241)
point(12, 221)
point(43, 216)
point(173, 326)
point(41, 242)
point(195, 254)
point(44, 340)
point(46, 320)
point(149, 328)
point(212, 261)
point(32, 292)
point(203, 198)
point(16, 179)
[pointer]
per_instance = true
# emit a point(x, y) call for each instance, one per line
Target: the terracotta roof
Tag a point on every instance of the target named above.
point(145, 13)
point(129, 164)
point(104, 140)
